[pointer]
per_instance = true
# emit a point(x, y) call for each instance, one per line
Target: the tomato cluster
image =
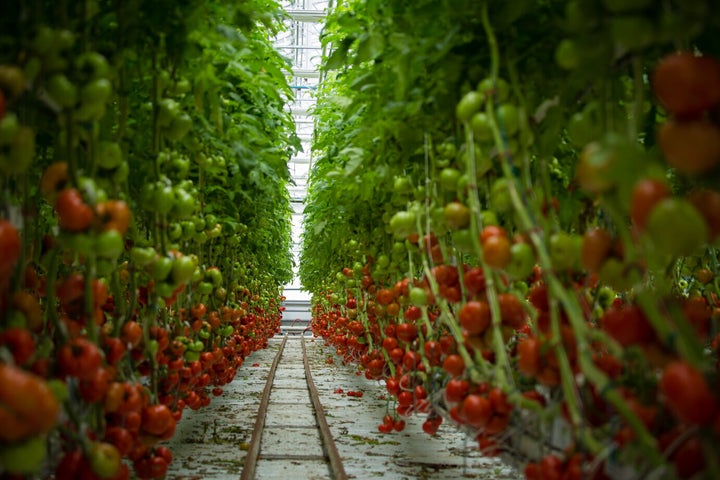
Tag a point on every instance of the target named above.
point(134, 277)
point(540, 261)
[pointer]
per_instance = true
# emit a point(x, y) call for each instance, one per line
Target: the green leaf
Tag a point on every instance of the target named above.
point(355, 157)
point(370, 47)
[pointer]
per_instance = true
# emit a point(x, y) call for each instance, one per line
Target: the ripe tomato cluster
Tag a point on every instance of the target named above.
point(130, 288)
point(484, 307)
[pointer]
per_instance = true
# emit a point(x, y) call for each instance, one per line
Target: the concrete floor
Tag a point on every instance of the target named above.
point(211, 443)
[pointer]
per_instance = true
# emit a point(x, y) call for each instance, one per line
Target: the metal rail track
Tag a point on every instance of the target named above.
point(255, 453)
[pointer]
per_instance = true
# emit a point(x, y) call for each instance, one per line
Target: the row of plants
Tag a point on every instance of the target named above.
point(144, 222)
point(512, 223)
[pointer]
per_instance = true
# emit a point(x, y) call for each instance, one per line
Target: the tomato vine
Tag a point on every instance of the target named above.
point(522, 159)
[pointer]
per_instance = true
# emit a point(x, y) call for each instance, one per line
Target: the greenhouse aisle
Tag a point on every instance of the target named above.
point(212, 443)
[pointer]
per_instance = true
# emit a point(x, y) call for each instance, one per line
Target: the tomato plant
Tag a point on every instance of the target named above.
point(555, 233)
point(116, 209)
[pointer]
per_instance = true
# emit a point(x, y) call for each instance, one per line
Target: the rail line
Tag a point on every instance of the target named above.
point(291, 434)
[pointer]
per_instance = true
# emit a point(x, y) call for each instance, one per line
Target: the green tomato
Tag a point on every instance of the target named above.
point(463, 240)
point(188, 228)
point(499, 89)
point(179, 127)
point(609, 163)
point(21, 154)
point(179, 167)
point(468, 105)
point(105, 266)
point(142, 256)
point(383, 260)
point(197, 274)
point(160, 268)
point(24, 457)
point(585, 126)
point(676, 227)
point(508, 118)
point(64, 39)
point(163, 199)
point(449, 178)
point(488, 217)
point(12, 80)
point(105, 459)
point(447, 150)
point(402, 185)
point(480, 125)
point(204, 288)
point(96, 92)
point(418, 296)
point(121, 173)
point(174, 231)
point(9, 128)
point(93, 65)
point(615, 274)
point(522, 261)
point(15, 319)
point(168, 109)
point(109, 155)
point(62, 90)
point(214, 276)
point(152, 347)
point(500, 199)
point(77, 242)
point(182, 270)
point(109, 244)
point(214, 232)
point(567, 54)
point(402, 223)
point(191, 356)
point(565, 250)
point(164, 289)
point(185, 204)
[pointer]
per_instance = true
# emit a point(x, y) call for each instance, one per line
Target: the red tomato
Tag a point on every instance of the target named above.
point(692, 147)
point(687, 85)
point(475, 317)
point(512, 312)
point(596, 246)
point(528, 353)
point(628, 325)
point(476, 410)
point(79, 358)
point(406, 332)
point(20, 342)
point(707, 203)
point(474, 281)
point(454, 365)
point(157, 419)
point(74, 215)
point(9, 251)
point(456, 390)
point(687, 393)
point(496, 251)
point(433, 352)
